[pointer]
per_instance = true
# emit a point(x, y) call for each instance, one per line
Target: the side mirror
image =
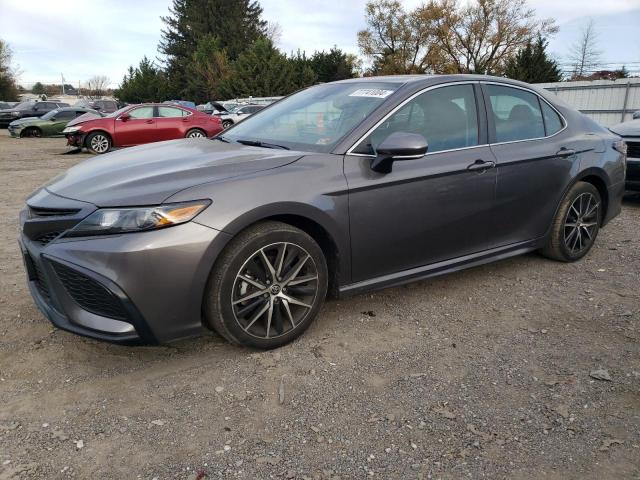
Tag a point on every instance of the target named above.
point(124, 117)
point(398, 146)
point(636, 115)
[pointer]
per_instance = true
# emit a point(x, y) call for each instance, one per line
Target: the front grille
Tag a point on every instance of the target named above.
point(37, 275)
point(44, 239)
point(89, 294)
point(51, 212)
point(633, 149)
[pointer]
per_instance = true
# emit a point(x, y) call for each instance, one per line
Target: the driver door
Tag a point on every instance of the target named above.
point(427, 210)
point(138, 128)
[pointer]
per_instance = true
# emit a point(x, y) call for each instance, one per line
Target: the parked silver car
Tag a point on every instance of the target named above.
point(239, 114)
point(630, 133)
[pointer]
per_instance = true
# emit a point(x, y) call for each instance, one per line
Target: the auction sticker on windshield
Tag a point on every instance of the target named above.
point(371, 92)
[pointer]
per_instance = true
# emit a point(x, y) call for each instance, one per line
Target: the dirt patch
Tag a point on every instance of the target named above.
point(482, 373)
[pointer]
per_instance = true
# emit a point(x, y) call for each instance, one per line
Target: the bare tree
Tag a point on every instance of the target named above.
point(97, 85)
point(585, 56)
point(274, 32)
point(448, 36)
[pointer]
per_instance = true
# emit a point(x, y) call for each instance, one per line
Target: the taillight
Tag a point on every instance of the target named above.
point(621, 147)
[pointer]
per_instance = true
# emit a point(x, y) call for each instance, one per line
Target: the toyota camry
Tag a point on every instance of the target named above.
point(338, 189)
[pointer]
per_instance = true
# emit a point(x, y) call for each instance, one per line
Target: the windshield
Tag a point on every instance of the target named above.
point(314, 119)
point(118, 112)
point(24, 106)
point(50, 115)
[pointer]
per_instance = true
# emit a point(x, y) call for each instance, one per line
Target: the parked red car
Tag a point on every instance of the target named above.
point(138, 124)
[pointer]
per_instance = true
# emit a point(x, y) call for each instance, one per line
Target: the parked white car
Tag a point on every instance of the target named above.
point(239, 114)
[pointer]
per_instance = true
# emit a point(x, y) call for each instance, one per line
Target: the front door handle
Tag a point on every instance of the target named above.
point(481, 165)
point(149, 121)
point(565, 152)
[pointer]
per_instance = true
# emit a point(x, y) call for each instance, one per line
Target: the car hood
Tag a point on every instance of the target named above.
point(83, 118)
point(25, 120)
point(627, 129)
point(149, 174)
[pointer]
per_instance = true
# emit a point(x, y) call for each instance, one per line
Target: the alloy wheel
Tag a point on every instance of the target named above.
point(274, 290)
point(581, 223)
point(99, 143)
point(195, 134)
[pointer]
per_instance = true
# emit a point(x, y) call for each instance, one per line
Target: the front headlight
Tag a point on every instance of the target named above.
point(15, 114)
point(107, 221)
point(70, 129)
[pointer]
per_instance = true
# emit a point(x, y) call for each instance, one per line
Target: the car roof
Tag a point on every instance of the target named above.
point(432, 79)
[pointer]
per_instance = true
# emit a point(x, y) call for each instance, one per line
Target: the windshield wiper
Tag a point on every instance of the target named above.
point(258, 143)
point(222, 139)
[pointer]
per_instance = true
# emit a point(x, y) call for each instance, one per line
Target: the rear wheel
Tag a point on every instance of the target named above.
point(576, 225)
point(267, 287)
point(31, 132)
point(98, 142)
point(226, 124)
point(195, 133)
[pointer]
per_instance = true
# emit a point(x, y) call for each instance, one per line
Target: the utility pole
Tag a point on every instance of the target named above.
point(62, 77)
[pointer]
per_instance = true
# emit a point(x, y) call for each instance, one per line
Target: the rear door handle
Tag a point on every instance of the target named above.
point(149, 121)
point(480, 165)
point(565, 152)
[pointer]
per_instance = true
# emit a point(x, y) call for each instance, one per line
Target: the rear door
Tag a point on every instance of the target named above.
point(172, 122)
point(536, 158)
point(139, 128)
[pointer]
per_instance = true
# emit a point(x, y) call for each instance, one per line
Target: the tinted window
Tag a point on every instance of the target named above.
point(142, 112)
point(552, 121)
point(516, 114)
point(66, 115)
point(171, 112)
point(446, 117)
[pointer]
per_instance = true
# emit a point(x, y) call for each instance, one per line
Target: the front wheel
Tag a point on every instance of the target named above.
point(267, 287)
point(576, 225)
point(32, 132)
point(98, 142)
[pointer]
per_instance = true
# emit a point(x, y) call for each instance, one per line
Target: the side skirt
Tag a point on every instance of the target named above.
point(441, 268)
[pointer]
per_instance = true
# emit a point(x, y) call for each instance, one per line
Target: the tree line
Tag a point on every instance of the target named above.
point(222, 49)
point(219, 49)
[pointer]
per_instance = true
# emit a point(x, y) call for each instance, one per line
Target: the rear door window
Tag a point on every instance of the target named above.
point(171, 112)
point(66, 115)
point(516, 114)
point(552, 121)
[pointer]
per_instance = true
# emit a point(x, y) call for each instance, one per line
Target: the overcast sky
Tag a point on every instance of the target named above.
point(103, 37)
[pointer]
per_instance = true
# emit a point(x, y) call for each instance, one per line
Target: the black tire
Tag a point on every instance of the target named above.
point(226, 124)
point(31, 132)
point(284, 320)
point(576, 224)
point(98, 142)
point(196, 133)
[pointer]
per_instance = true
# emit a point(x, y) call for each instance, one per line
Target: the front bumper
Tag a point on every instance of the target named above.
point(136, 288)
point(75, 139)
point(15, 130)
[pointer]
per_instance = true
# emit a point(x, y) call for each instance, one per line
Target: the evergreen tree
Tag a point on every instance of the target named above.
point(8, 89)
point(209, 67)
point(532, 64)
point(263, 71)
point(333, 65)
point(145, 83)
point(234, 23)
point(38, 88)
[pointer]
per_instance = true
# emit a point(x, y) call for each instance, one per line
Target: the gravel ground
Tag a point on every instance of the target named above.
point(486, 373)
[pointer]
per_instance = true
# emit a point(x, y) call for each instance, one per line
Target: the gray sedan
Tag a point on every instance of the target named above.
point(339, 189)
